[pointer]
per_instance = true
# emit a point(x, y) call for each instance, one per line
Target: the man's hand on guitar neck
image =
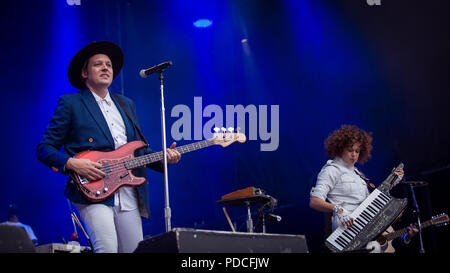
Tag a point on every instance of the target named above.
point(173, 156)
point(85, 167)
point(412, 231)
point(400, 173)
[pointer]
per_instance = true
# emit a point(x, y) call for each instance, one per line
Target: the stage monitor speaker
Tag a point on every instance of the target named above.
point(183, 240)
point(14, 239)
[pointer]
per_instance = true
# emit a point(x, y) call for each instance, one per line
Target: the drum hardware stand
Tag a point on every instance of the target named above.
point(248, 197)
point(249, 218)
point(75, 220)
point(264, 216)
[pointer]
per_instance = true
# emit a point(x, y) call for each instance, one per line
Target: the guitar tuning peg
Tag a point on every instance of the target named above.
point(216, 129)
point(224, 129)
point(237, 130)
point(230, 129)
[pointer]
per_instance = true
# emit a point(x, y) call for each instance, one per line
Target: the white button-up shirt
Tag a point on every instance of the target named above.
point(126, 196)
point(339, 183)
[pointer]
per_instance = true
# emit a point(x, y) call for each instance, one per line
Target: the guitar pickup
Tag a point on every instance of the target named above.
point(124, 175)
point(105, 167)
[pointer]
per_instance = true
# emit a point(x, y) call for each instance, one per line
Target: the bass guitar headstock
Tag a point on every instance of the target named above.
point(224, 139)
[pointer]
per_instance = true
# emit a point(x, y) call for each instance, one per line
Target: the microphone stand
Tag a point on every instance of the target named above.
point(416, 211)
point(167, 211)
point(249, 218)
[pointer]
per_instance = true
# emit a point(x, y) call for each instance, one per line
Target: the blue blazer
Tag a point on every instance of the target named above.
point(77, 124)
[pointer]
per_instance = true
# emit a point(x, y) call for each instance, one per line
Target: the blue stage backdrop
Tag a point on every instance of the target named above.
point(300, 68)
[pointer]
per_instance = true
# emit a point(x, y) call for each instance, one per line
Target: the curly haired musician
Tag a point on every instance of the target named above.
point(94, 119)
point(340, 188)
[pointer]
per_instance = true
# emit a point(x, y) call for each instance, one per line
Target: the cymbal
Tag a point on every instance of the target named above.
point(246, 200)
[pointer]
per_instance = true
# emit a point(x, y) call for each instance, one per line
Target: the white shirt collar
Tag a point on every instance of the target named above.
point(342, 163)
point(98, 99)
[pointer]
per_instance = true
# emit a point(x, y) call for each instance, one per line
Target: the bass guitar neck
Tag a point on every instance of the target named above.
point(118, 164)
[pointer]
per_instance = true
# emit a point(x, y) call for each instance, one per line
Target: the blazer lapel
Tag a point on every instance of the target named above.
point(93, 108)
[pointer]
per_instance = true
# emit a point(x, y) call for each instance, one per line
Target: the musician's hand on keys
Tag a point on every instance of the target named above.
point(173, 156)
point(85, 167)
point(344, 216)
point(348, 223)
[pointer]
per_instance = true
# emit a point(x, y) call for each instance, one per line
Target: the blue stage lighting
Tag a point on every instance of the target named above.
point(203, 23)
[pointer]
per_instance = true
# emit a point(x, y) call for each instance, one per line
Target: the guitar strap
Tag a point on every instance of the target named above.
point(369, 184)
point(120, 101)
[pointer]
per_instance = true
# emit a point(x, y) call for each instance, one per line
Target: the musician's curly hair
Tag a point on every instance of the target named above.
point(345, 137)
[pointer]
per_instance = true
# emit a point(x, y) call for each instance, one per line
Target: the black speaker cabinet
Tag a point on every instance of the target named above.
point(15, 239)
point(183, 240)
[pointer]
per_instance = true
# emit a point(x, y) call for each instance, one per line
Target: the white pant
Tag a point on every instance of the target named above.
point(110, 229)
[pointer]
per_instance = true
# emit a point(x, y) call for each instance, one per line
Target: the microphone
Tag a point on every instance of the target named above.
point(157, 68)
point(274, 217)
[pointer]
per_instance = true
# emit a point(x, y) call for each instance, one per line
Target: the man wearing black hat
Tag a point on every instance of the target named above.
point(93, 119)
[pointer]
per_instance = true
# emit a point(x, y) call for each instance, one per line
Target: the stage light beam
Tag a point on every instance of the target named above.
point(202, 23)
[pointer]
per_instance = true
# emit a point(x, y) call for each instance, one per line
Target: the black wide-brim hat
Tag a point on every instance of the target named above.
point(113, 51)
